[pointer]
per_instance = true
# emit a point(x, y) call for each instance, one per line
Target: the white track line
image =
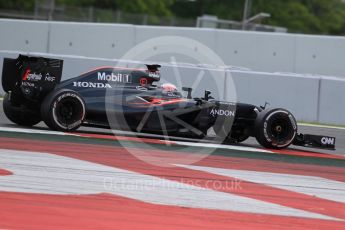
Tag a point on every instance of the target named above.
point(45, 173)
point(220, 146)
point(184, 143)
point(34, 131)
point(321, 126)
point(310, 185)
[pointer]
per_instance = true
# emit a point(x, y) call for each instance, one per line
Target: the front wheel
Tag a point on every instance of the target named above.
point(20, 114)
point(275, 128)
point(63, 110)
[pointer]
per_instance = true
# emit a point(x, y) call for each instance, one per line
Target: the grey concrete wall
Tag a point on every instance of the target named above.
point(309, 98)
point(91, 40)
point(259, 51)
point(297, 93)
point(332, 101)
point(24, 35)
point(320, 55)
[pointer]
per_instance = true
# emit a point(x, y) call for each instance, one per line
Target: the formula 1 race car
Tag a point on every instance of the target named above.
point(128, 99)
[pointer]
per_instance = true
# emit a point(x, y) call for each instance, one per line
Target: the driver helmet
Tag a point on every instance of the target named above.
point(168, 87)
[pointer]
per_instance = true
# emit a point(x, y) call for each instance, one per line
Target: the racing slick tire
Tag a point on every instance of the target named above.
point(63, 110)
point(20, 114)
point(275, 128)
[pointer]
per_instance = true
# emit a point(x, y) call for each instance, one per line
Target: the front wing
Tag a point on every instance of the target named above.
point(315, 141)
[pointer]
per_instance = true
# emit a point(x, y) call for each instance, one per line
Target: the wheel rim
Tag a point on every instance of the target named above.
point(69, 112)
point(281, 130)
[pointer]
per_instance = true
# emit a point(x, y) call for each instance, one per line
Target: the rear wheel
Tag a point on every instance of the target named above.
point(63, 110)
point(275, 128)
point(20, 114)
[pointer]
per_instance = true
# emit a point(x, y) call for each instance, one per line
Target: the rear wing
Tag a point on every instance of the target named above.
point(153, 67)
point(34, 77)
point(153, 71)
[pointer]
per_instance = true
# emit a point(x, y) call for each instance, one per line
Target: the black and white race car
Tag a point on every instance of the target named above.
point(129, 99)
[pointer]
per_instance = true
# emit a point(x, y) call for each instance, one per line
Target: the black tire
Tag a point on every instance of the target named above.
point(63, 110)
point(20, 114)
point(275, 128)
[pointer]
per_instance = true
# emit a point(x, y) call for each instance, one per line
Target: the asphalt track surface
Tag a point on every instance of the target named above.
point(95, 180)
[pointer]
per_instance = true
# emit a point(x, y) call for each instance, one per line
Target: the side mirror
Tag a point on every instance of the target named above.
point(207, 95)
point(189, 90)
point(264, 107)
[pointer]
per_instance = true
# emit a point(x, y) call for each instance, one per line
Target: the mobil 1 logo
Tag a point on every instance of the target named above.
point(114, 77)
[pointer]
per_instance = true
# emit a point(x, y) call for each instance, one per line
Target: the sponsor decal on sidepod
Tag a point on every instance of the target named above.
point(119, 77)
point(91, 84)
point(221, 112)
